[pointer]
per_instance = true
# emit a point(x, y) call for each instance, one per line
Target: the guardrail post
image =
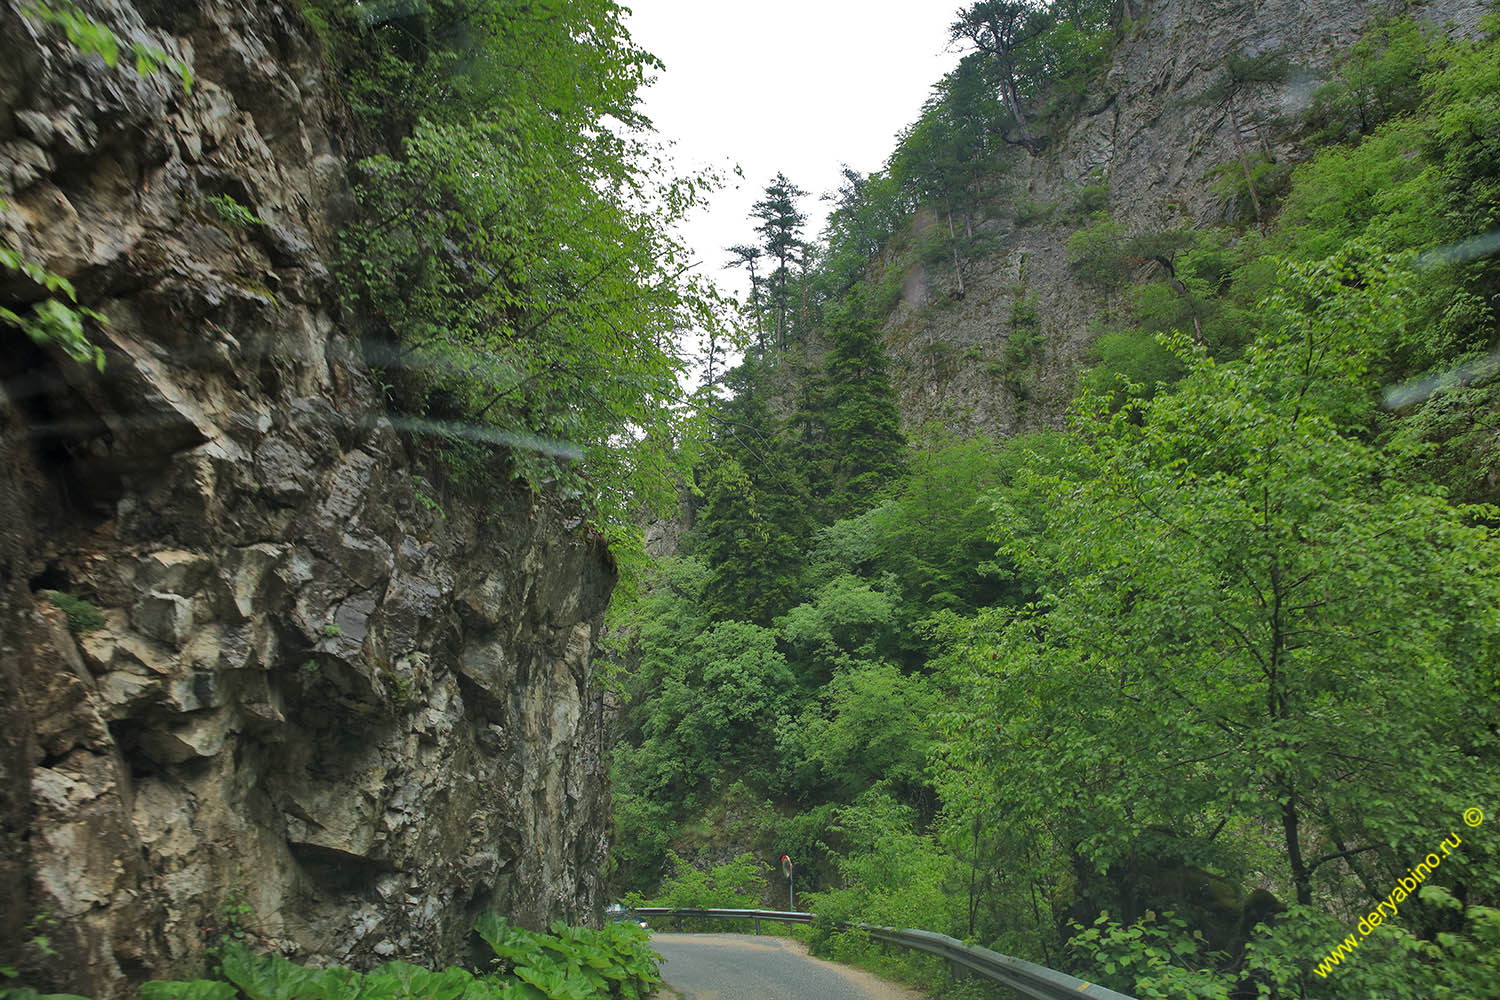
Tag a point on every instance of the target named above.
point(958, 972)
point(757, 925)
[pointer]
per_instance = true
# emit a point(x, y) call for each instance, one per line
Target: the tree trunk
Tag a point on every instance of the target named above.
point(1015, 106)
point(973, 874)
point(1239, 144)
point(1301, 877)
point(958, 271)
point(781, 308)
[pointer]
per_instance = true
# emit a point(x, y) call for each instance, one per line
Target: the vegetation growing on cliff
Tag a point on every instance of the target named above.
point(58, 319)
point(1169, 697)
point(512, 245)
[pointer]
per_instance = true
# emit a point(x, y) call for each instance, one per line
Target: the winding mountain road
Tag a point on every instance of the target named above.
point(746, 967)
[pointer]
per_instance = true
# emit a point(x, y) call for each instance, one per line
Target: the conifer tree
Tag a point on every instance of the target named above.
point(781, 231)
point(849, 439)
point(1002, 29)
point(755, 522)
point(749, 257)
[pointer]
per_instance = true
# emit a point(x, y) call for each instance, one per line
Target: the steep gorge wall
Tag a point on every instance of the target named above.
point(318, 708)
point(1141, 131)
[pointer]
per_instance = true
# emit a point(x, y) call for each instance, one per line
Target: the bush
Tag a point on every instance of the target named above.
point(736, 885)
point(1131, 365)
point(82, 616)
point(616, 961)
point(1098, 253)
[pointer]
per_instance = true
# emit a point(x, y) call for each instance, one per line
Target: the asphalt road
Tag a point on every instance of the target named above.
point(746, 967)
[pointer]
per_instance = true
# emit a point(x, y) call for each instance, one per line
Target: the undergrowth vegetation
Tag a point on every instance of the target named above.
point(570, 963)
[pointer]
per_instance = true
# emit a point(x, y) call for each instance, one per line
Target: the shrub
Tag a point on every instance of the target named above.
point(1098, 252)
point(82, 615)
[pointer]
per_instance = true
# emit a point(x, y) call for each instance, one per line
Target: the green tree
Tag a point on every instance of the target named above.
point(736, 884)
point(1002, 29)
point(512, 246)
point(1242, 76)
point(755, 519)
point(943, 158)
point(846, 426)
point(1250, 621)
point(749, 257)
point(871, 725)
point(1378, 79)
point(781, 224)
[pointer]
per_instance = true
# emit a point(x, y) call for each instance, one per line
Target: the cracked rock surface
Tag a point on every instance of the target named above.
point(312, 708)
point(1142, 131)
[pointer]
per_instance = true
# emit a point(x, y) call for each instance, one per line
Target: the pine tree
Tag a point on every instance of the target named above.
point(865, 424)
point(1002, 29)
point(848, 428)
point(781, 231)
point(755, 521)
point(749, 257)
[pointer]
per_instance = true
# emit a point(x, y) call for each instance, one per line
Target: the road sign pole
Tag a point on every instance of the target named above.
point(791, 893)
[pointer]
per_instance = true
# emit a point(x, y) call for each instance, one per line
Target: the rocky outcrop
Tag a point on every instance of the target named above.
point(309, 696)
point(1142, 133)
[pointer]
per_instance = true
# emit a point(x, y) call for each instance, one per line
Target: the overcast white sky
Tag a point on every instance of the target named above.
point(799, 86)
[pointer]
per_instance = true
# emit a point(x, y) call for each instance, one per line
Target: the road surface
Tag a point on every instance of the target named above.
point(746, 967)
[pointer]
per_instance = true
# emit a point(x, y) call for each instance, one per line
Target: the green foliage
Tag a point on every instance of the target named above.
point(1130, 365)
point(1153, 959)
point(1378, 79)
point(846, 428)
point(1252, 561)
point(1025, 341)
point(781, 223)
point(891, 874)
point(232, 212)
point(570, 963)
point(872, 725)
point(1099, 253)
point(83, 616)
point(737, 884)
point(1270, 179)
point(197, 989)
point(1091, 197)
point(1040, 56)
point(25, 993)
point(513, 243)
point(1234, 628)
point(713, 694)
point(52, 321)
point(92, 38)
point(841, 626)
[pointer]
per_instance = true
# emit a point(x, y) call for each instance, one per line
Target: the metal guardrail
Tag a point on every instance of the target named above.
point(777, 916)
point(1027, 978)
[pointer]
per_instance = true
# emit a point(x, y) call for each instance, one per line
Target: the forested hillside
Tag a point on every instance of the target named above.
point(1175, 693)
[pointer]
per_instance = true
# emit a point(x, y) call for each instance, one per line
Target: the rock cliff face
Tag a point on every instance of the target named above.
point(1140, 132)
point(314, 705)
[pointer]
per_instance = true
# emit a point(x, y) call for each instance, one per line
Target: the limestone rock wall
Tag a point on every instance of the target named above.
point(324, 705)
point(1141, 132)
